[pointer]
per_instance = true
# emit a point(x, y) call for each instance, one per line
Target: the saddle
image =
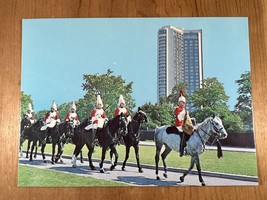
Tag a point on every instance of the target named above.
point(174, 130)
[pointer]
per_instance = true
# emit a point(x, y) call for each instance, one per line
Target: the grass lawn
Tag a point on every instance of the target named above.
point(32, 176)
point(241, 163)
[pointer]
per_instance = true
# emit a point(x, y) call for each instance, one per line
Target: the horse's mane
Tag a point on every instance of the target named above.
point(204, 122)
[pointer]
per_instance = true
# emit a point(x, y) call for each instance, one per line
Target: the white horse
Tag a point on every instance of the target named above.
point(194, 146)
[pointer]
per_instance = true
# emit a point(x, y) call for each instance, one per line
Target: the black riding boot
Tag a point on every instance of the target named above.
point(182, 144)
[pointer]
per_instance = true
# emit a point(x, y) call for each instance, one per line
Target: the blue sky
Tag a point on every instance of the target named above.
point(57, 52)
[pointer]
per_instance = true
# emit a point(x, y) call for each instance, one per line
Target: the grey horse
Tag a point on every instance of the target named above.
point(194, 146)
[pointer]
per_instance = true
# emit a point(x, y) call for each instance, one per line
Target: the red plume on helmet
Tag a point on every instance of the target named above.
point(182, 96)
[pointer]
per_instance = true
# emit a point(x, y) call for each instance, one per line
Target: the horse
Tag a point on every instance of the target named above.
point(69, 133)
point(25, 123)
point(133, 137)
point(105, 137)
point(54, 137)
point(195, 145)
point(35, 135)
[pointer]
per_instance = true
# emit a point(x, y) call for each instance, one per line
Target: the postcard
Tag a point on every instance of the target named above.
point(136, 102)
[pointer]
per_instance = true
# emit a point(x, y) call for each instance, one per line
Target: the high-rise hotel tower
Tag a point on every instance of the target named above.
point(179, 60)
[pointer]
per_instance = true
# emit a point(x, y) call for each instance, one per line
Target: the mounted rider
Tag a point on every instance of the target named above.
point(180, 113)
point(52, 117)
point(98, 116)
point(72, 116)
point(122, 109)
point(29, 114)
point(51, 120)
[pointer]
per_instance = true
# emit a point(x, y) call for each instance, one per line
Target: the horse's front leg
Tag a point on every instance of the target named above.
point(81, 156)
point(32, 148)
point(136, 150)
point(104, 149)
point(53, 153)
point(76, 152)
point(158, 149)
point(190, 168)
point(199, 172)
point(28, 148)
point(59, 152)
point(36, 148)
point(90, 148)
point(42, 151)
point(126, 157)
point(113, 151)
point(163, 157)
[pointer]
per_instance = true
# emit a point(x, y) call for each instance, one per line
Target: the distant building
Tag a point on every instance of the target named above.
point(179, 60)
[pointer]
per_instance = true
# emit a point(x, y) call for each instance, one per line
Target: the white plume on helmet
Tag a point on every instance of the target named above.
point(54, 106)
point(182, 96)
point(30, 107)
point(99, 100)
point(121, 100)
point(73, 106)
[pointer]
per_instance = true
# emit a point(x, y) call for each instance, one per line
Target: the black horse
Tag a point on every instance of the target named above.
point(133, 137)
point(54, 137)
point(69, 133)
point(106, 138)
point(25, 123)
point(35, 135)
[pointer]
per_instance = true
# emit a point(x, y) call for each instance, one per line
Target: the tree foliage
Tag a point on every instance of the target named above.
point(110, 87)
point(25, 99)
point(244, 100)
point(211, 100)
point(159, 114)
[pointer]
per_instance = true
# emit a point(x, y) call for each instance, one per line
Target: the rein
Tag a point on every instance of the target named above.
point(202, 141)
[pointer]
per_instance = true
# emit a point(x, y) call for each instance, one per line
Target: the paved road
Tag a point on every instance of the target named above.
point(132, 177)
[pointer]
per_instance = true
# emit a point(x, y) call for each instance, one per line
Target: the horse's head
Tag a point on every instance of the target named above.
point(218, 128)
point(123, 122)
point(140, 116)
point(25, 123)
point(69, 128)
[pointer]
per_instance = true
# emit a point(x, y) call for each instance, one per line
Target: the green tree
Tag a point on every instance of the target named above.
point(211, 100)
point(40, 114)
point(159, 114)
point(25, 99)
point(110, 87)
point(244, 100)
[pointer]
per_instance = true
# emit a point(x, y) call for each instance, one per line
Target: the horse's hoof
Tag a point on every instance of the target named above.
point(112, 167)
point(44, 161)
point(35, 156)
point(92, 167)
point(165, 175)
point(182, 179)
point(27, 156)
point(123, 168)
point(74, 166)
point(81, 161)
point(140, 170)
point(158, 178)
point(102, 171)
point(203, 184)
